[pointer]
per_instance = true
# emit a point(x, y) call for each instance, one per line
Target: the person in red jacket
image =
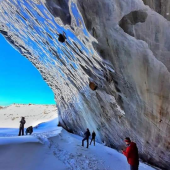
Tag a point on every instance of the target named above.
point(131, 152)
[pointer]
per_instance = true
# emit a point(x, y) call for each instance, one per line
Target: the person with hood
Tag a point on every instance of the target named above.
point(131, 152)
point(29, 130)
point(21, 128)
point(86, 137)
point(93, 137)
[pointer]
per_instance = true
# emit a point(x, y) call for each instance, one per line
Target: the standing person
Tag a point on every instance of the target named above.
point(21, 128)
point(93, 137)
point(131, 152)
point(86, 137)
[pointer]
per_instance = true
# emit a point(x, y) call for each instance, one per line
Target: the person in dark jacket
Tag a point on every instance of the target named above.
point(29, 130)
point(21, 128)
point(93, 137)
point(131, 152)
point(86, 137)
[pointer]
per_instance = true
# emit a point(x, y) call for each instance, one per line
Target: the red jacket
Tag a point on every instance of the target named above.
point(131, 153)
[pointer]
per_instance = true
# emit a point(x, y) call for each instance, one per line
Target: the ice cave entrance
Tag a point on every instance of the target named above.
point(20, 81)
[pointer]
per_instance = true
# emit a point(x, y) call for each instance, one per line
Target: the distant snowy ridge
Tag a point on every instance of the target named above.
point(34, 114)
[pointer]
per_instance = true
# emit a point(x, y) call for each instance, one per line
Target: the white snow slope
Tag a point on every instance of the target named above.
point(52, 148)
point(34, 114)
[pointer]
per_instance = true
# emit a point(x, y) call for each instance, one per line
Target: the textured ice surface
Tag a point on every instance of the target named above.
point(162, 7)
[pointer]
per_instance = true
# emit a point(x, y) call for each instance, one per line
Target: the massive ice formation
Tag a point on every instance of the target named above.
point(160, 6)
point(122, 46)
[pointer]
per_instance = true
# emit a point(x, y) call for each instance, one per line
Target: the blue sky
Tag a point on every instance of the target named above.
point(20, 81)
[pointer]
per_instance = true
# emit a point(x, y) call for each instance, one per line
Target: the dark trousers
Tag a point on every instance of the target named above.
point(87, 141)
point(93, 139)
point(21, 130)
point(135, 167)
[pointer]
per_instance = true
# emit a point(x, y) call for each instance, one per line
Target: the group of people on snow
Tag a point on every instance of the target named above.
point(21, 128)
point(131, 150)
point(87, 134)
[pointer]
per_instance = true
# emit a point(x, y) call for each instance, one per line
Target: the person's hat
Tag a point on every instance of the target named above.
point(127, 139)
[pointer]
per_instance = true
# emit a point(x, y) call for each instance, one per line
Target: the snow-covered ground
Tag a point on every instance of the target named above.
point(52, 148)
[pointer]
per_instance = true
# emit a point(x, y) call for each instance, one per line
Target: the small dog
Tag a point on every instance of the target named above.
point(29, 130)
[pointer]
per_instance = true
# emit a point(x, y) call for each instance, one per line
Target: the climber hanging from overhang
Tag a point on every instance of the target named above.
point(62, 37)
point(93, 86)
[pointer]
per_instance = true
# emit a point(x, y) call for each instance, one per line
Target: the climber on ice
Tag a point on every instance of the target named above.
point(62, 37)
point(131, 152)
point(86, 137)
point(93, 138)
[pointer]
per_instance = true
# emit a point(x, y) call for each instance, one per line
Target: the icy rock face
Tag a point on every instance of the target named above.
point(160, 6)
point(122, 46)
